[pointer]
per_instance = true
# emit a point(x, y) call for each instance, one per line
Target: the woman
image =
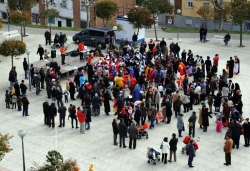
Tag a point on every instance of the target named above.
point(73, 116)
point(88, 117)
point(224, 75)
point(236, 65)
point(185, 101)
point(180, 124)
point(200, 116)
point(106, 97)
point(165, 150)
point(212, 85)
point(197, 92)
point(72, 89)
point(205, 120)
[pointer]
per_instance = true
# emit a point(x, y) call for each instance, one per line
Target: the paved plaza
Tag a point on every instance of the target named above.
point(96, 146)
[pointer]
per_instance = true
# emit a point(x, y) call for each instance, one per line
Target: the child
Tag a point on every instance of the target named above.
point(19, 103)
point(218, 125)
point(7, 99)
point(14, 100)
point(66, 94)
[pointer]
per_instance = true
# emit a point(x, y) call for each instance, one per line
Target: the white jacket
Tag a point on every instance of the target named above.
point(165, 147)
point(225, 92)
point(197, 90)
point(185, 99)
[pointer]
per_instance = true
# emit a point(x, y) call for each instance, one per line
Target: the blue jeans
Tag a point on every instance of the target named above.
point(142, 87)
point(25, 110)
point(152, 120)
point(190, 160)
point(176, 54)
point(204, 38)
point(87, 125)
point(37, 88)
point(26, 74)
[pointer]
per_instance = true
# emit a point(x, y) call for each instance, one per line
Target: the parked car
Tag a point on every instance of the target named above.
point(93, 36)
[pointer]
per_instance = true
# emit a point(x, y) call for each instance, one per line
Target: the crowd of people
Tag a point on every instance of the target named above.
point(143, 85)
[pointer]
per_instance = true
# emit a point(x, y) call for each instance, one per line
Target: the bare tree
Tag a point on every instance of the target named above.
point(219, 6)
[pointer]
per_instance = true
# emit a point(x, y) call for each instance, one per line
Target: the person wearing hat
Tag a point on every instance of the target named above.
point(46, 111)
point(133, 133)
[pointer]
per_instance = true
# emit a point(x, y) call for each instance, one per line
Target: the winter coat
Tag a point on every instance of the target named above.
point(12, 76)
point(17, 89)
point(165, 147)
point(217, 101)
point(62, 111)
point(137, 115)
point(88, 115)
point(137, 94)
point(191, 151)
point(7, 97)
point(193, 120)
point(143, 110)
point(168, 109)
point(228, 146)
point(72, 88)
point(52, 110)
point(157, 97)
point(23, 87)
point(45, 107)
point(185, 99)
point(173, 144)
point(200, 117)
point(177, 102)
point(180, 123)
point(246, 127)
point(81, 117)
point(133, 131)
point(96, 101)
point(106, 102)
point(122, 129)
point(115, 128)
point(205, 120)
point(25, 102)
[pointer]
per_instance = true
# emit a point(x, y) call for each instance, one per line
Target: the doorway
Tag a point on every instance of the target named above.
point(59, 23)
point(68, 23)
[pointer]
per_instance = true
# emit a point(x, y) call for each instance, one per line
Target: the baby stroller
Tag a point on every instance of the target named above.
point(186, 141)
point(142, 131)
point(153, 155)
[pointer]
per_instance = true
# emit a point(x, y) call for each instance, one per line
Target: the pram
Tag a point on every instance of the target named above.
point(186, 141)
point(153, 155)
point(142, 131)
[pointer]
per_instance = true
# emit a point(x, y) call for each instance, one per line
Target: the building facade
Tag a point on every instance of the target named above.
point(72, 12)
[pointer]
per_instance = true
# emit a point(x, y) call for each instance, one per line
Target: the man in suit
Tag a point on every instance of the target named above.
point(191, 153)
point(25, 68)
point(228, 149)
point(192, 120)
point(46, 111)
point(122, 133)
point(230, 68)
point(173, 147)
point(62, 113)
point(51, 115)
point(133, 133)
point(115, 130)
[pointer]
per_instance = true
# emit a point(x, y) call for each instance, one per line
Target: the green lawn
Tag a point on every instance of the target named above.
point(174, 30)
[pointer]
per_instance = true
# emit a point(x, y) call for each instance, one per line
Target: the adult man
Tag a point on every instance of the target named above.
point(25, 103)
point(208, 64)
point(163, 46)
point(59, 96)
point(12, 77)
point(173, 147)
point(204, 34)
point(40, 50)
point(191, 153)
point(191, 121)
point(63, 51)
point(46, 111)
point(37, 80)
point(236, 130)
point(23, 87)
point(151, 45)
point(228, 149)
point(42, 75)
point(80, 49)
point(47, 36)
point(62, 113)
point(32, 72)
point(176, 50)
point(25, 68)
point(177, 106)
point(61, 39)
point(122, 133)
point(134, 39)
point(125, 93)
point(246, 127)
point(168, 111)
point(51, 115)
point(107, 41)
point(133, 133)
point(201, 31)
point(115, 131)
point(230, 68)
point(227, 38)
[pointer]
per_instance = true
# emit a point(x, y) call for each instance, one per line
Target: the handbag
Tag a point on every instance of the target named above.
point(161, 146)
point(183, 128)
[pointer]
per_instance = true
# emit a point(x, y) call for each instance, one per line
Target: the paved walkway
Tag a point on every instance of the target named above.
point(96, 146)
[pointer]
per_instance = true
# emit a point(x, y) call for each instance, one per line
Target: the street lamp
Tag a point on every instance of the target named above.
point(22, 133)
point(8, 15)
point(178, 12)
point(88, 4)
point(28, 53)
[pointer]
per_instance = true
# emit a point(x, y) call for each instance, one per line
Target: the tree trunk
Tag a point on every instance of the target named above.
point(87, 7)
point(50, 30)
point(24, 30)
point(12, 62)
point(137, 30)
point(155, 33)
point(221, 21)
point(241, 34)
point(21, 32)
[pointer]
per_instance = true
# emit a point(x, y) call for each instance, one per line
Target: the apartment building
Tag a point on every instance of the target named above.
point(72, 13)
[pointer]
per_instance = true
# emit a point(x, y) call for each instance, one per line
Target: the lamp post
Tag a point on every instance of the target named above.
point(22, 133)
point(28, 53)
point(8, 15)
point(178, 12)
point(88, 4)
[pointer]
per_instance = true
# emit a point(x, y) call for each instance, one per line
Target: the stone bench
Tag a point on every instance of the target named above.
point(219, 37)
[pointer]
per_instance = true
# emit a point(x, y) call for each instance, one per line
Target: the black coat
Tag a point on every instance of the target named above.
point(106, 96)
point(173, 144)
point(137, 115)
point(72, 88)
point(246, 127)
point(205, 120)
point(45, 107)
point(25, 65)
point(115, 128)
point(217, 101)
point(52, 110)
point(12, 76)
point(62, 110)
point(88, 116)
point(236, 129)
point(17, 89)
point(122, 129)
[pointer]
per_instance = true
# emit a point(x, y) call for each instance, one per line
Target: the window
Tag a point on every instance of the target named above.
point(205, 4)
point(4, 15)
point(96, 33)
point(83, 8)
point(190, 4)
point(1, 1)
point(64, 4)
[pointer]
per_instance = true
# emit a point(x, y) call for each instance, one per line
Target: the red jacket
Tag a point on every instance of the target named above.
point(216, 60)
point(80, 46)
point(81, 116)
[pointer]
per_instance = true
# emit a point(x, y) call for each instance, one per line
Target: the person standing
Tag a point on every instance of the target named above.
point(191, 124)
point(205, 120)
point(228, 149)
point(134, 39)
point(61, 39)
point(96, 104)
point(246, 126)
point(115, 131)
point(191, 153)
point(201, 31)
point(25, 103)
point(152, 115)
point(63, 50)
point(88, 117)
point(37, 80)
point(40, 51)
point(62, 113)
point(165, 150)
point(7, 99)
point(133, 133)
point(52, 114)
point(42, 75)
point(177, 106)
point(168, 111)
point(47, 36)
point(173, 147)
point(230, 67)
point(80, 49)
point(23, 87)
point(180, 124)
point(216, 59)
point(82, 120)
point(208, 64)
point(46, 111)
point(73, 116)
point(204, 35)
point(176, 50)
point(107, 97)
point(236, 131)
point(122, 133)
point(12, 78)
point(25, 68)
point(163, 46)
point(137, 115)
